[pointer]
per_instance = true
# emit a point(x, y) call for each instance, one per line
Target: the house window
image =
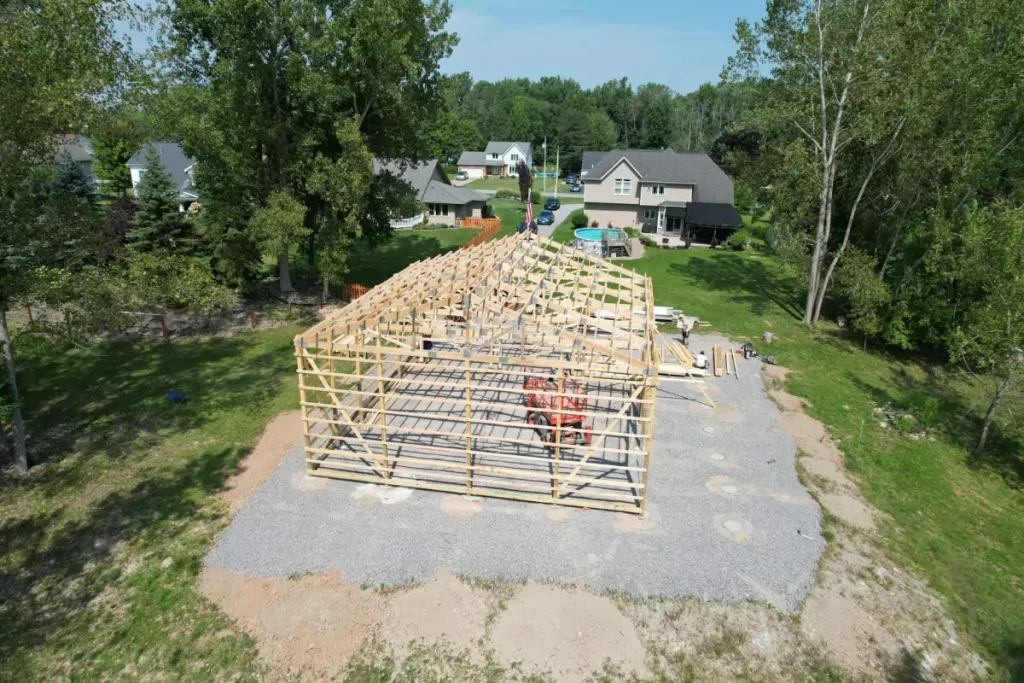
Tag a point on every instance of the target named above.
point(495, 156)
point(649, 214)
point(623, 186)
point(657, 189)
point(514, 157)
point(438, 209)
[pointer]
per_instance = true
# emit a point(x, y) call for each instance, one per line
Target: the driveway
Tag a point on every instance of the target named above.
point(560, 215)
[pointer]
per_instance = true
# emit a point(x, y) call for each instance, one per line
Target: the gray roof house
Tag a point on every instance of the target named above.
point(444, 203)
point(590, 159)
point(79, 148)
point(178, 165)
point(660, 191)
point(499, 158)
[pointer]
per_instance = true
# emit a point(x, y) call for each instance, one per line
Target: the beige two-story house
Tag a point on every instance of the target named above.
point(659, 191)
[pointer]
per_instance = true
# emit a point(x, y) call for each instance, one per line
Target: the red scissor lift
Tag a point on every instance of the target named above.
point(555, 405)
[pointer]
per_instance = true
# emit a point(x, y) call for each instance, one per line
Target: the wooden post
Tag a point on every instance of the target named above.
point(252, 319)
point(163, 325)
point(30, 320)
point(383, 413)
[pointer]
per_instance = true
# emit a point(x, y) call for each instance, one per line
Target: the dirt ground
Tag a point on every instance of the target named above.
point(863, 614)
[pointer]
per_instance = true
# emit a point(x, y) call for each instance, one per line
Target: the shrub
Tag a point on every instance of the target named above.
point(648, 242)
point(925, 408)
point(579, 219)
point(741, 239)
point(505, 193)
point(631, 231)
point(905, 424)
point(537, 198)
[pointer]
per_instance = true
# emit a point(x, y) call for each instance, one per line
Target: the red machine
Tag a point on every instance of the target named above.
point(548, 412)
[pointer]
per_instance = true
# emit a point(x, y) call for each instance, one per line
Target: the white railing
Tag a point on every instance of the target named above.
point(406, 223)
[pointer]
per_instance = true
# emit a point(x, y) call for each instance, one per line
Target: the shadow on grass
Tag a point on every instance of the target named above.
point(746, 280)
point(959, 420)
point(111, 399)
point(61, 572)
point(371, 266)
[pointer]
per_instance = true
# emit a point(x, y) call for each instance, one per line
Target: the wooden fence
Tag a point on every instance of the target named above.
point(489, 228)
point(353, 291)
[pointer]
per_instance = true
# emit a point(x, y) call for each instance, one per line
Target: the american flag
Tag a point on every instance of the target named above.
point(529, 208)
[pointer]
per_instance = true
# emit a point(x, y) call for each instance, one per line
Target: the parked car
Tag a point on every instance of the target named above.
point(545, 218)
point(462, 175)
point(576, 188)
point(572, 179)
point(552, 204)
point(522, 226)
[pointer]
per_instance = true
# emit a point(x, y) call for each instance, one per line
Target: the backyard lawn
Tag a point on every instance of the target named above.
point(101, 543)
point(513, 184)
point(371, 266)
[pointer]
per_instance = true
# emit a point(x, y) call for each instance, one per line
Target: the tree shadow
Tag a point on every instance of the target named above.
point(960, 422)
point(58, 573)
point(371, 266)
point(111, 399)
point(746, 281)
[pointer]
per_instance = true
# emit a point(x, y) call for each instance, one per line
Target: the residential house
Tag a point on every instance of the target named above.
point(660, 191)
point(498, 159)
point(442, 202)
point(177, 164)
point(590, 160)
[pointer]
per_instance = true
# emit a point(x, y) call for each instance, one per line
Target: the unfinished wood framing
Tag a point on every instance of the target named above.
point(420, 382)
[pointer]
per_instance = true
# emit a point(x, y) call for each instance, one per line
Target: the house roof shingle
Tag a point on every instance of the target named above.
point(428, 188)
point(669, 166)
point(591, 159)
point(469, 158)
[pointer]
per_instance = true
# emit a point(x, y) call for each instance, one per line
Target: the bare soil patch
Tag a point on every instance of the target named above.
point(567, 633)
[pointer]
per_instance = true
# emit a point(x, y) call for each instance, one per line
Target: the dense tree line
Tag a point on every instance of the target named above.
point(886, 139)
point(615, 114)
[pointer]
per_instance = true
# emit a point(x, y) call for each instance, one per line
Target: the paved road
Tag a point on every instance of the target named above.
point(560, 215)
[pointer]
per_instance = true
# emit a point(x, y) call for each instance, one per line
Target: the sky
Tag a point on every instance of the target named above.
point(680, 43)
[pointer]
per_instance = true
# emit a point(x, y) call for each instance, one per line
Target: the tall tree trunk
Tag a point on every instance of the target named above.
point(284, 275)
point(17, 423)
point(875, 163)
point(1001, 391)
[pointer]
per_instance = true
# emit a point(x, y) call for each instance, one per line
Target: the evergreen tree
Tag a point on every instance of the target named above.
point(114, 143)
point(157, 223)
point(71, 179)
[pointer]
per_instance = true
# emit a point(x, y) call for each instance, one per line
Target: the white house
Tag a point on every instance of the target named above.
point(498, 159)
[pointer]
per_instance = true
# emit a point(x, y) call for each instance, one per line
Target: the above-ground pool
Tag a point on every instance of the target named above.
point(600, 241)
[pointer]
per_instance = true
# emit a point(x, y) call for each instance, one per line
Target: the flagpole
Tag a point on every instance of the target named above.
point(557, 150)
point(545, 163)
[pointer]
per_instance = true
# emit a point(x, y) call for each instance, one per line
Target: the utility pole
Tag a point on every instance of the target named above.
point(545, 174)
point(557, 150)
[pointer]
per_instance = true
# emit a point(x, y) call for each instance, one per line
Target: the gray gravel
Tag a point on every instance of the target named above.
point(726, 519)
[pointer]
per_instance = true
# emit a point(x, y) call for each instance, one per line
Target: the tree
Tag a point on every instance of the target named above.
point(601, 132)
point(276, 226)
point(525, 180)
point(449, 135)
point(115, 141)
point(985, 266)
point(157, 222)
point(299, 102)
point(59, 59)
point(71, 179)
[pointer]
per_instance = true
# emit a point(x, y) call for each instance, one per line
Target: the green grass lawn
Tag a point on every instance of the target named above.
point(513, 184)
point(124, 480)
point(565, 230)
point(956, 519)
point(371, 266)
point(511, 212)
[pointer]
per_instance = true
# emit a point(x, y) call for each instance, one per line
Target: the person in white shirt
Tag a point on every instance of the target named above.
point(684, 326)
point(701, 361)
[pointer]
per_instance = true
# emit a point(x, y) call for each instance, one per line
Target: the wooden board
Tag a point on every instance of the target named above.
point(717, 359)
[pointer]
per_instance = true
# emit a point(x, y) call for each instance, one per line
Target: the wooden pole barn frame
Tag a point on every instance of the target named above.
point(420, 382)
